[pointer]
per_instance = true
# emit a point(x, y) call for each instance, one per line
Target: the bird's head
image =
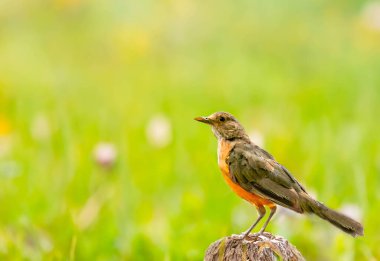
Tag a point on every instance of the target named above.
point(224, 125)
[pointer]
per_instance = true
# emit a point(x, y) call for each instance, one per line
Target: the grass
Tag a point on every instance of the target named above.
point(77, 73)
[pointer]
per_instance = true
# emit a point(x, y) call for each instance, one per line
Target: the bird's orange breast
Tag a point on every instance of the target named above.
point(224, 148)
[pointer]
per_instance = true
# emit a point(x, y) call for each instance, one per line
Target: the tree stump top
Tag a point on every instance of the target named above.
point(266, 247)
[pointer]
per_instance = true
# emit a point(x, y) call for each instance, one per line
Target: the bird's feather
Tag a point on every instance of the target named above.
point(256, 171)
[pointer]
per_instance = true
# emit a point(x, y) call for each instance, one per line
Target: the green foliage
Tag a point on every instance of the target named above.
point(76, 73)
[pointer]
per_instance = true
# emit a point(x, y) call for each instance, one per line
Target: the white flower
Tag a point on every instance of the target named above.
point(257, 137)
point(159, 131)
point(105, 154)
point(352, 211)
point(371, 15)
point(40, 128)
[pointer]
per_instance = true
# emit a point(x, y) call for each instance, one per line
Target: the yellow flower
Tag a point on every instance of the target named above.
point(5, 126)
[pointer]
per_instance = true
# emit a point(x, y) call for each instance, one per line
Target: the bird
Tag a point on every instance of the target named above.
point(255, 175)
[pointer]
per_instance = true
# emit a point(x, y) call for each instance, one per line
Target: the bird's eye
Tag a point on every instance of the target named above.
point(222, 118)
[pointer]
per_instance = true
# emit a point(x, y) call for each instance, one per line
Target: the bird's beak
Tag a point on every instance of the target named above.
point(203, 119)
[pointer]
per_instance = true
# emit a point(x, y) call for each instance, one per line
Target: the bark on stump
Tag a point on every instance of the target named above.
point(258, 247)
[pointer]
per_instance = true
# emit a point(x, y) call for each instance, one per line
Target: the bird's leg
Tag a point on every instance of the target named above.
point(272, 211)
point(261, 211)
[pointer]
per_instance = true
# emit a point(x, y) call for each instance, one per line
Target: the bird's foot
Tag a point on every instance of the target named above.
point(248, 236)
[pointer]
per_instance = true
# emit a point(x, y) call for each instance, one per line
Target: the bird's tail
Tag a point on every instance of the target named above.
point(339, 220)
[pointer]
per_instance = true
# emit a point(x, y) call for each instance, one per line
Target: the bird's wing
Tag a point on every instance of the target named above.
point(261, 174)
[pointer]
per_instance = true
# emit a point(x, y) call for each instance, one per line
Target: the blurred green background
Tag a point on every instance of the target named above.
point(100, 157)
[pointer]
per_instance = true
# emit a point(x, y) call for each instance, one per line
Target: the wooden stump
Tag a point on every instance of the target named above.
point(258, 247)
